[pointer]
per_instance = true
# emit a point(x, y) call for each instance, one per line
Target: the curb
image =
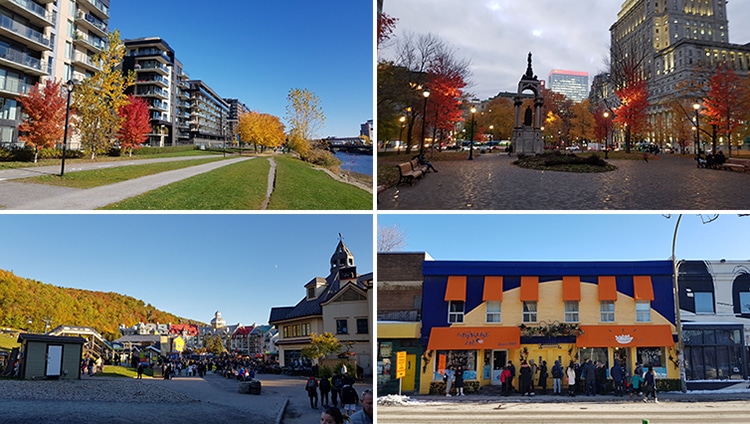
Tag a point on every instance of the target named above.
point(280, 414)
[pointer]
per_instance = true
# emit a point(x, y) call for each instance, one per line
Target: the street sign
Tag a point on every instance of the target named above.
point(400, 364)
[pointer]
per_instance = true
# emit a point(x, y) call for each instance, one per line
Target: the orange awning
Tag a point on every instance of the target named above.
point(493, 288)
point(529, 289)
point(571, 289)
point(656, 335)
point(607, 288)
point(642, 289)
point(456, 289)
point(471, 338)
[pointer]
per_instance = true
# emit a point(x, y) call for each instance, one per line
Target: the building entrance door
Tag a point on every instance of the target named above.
point(499, 360)
point(407, 382)
point(54, 361)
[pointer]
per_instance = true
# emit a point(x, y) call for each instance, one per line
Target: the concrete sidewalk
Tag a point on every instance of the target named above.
point(22, 196)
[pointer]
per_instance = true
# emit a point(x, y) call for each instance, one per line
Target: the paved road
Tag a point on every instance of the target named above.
point(24, 196)
point(491, 182)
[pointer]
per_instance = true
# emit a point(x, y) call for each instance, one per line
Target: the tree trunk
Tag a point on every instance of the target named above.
point(36, 154)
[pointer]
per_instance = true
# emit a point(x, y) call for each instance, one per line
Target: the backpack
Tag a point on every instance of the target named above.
point(556, 371)
point(311, 383)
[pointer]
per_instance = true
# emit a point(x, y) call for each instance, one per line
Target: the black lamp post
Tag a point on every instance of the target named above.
point(471, 138)
point(697, 108)
point(426, 94)
point(400, 134)
point(606, 137)
point(70, 85)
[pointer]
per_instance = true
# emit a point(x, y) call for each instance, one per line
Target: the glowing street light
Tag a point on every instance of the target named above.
point(471, 138)
point(426, 94)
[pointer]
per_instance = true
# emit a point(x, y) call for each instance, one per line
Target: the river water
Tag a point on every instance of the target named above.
point(354, 162)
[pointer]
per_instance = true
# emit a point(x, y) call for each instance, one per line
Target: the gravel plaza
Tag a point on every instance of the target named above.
point(492, 182)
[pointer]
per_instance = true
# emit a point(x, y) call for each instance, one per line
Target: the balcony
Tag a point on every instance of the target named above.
point(22, 61)
point(20, 33)
point(152, 80)
point(152, 66)
point(152, 92)
point(98, 7)
point(156, 54)
point(92, 23)
point(82, 59)
point(36, 14)
point(88, 41)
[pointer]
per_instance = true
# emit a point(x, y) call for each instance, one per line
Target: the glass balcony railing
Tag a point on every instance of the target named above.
point(21, 58)
point(154, 79)
point(93, 20)
point(34, 8)
point(24, 31)
point(99, 5)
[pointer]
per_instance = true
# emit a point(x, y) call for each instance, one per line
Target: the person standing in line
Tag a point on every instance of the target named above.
point(460, 381)
point(312, 391)
point(512, 370)
point(325, 388)
point(650, 385)
point(543, 377)
point(571, 373)
point(365, 415)
point(557, 374)
point(448, 378)
point(534, 368)
point(617, 376)
point(589, 374)
point(505, 380)
point(524, 379)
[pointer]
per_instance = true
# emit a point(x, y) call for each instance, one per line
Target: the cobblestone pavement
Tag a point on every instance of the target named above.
point(491, 182)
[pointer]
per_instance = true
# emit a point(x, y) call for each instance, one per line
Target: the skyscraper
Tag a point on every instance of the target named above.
point(573, 84)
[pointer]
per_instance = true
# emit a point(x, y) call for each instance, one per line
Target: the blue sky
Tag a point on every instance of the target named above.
point(572, 236)
point(257, 51)
point(189, 265)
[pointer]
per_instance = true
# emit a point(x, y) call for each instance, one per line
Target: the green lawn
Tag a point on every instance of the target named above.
point(106, 176)
point(300, 187)
point(240, 186)
point(177, 152)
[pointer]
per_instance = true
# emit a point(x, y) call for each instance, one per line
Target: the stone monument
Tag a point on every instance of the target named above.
point(527, 126)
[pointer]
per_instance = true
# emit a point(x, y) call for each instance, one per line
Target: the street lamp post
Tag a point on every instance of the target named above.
point(606, 137)
point(471, 138)
point(70, 85)
point(697, 108)
point(678, 321)
point(401, 134)
point(426, 94)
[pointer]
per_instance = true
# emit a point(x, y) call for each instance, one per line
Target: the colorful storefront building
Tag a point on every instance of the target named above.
point(480, 315)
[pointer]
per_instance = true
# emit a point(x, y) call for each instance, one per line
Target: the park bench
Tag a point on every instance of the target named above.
point(407, 173)
point(736, 164)
point(416, 166)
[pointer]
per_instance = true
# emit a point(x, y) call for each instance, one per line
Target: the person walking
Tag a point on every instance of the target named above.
point(571, 374)
point(140, 371)
point(543, 377)
point(448, 378)
point(460, 381)
point(557, 374)
point(349, 399)
point(636, 384)
point(325, 388)
point(336, 384)
point(365, 415)
point(650, 385)
point(312, 391)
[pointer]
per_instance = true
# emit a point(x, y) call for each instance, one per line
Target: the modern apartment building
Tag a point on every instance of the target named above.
point(236, 109)
point(573, 84)
point(26, 45)
point(209, 114)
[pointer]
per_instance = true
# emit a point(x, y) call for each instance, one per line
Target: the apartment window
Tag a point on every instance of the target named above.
point(704, 302)
point(71, 29)
point(362, 327)
point(455, 311)
point(342, 326)
point(643, 311)
point(607, 311)
point(311, 292)
point(493, 311)
point(68, 50)
point(571, 311)
point(6, 134)
point(529, 311)
point(305, 329)
point(9, 107)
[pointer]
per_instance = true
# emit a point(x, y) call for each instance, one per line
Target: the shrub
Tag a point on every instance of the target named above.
point(320, 157)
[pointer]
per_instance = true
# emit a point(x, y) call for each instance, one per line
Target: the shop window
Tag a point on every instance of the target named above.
point(704, 302)
point(650, 356)
point(642, 311)
point(342, 326)
point(607, 311)
point(529, 312)
point(493, 311)
point(455, 311)
point(467, 359)
point(571, 311)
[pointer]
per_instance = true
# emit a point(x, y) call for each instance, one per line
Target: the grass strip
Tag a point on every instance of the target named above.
point(240, 186)
point(106, 176)
point(300, 187)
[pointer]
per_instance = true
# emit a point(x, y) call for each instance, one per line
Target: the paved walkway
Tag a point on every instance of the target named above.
point(24, 196)
point(491, 182)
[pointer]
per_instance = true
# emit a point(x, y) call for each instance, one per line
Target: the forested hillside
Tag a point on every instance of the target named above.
point(22, 300)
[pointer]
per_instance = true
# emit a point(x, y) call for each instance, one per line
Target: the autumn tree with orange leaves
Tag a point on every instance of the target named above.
point(724, 102)
point(261, 129)
point(44, 107)
point(633, 105)
point(135, 125)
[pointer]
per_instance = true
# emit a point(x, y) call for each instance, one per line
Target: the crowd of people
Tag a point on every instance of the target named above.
point(588, 378)
point(710, 160)
point(343, 401)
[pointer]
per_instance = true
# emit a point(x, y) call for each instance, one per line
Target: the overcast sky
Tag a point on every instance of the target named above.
point(496, 35)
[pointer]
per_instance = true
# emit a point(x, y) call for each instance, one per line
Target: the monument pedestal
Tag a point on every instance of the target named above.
point(527, 133)
point(527, 141)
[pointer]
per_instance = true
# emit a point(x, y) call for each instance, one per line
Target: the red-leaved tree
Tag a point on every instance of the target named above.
point(45, 116)
point(135, 126)
point(724, 103)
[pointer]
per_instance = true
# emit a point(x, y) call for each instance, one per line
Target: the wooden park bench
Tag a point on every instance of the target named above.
point(416, 166)
point(407, 173)
point(736, 164)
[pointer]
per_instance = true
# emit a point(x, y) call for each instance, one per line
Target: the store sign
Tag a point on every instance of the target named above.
point(400, 364)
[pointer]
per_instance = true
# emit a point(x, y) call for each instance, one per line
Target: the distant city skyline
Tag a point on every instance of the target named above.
point(497, 35)
point(258, 51)
point(187, 265)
